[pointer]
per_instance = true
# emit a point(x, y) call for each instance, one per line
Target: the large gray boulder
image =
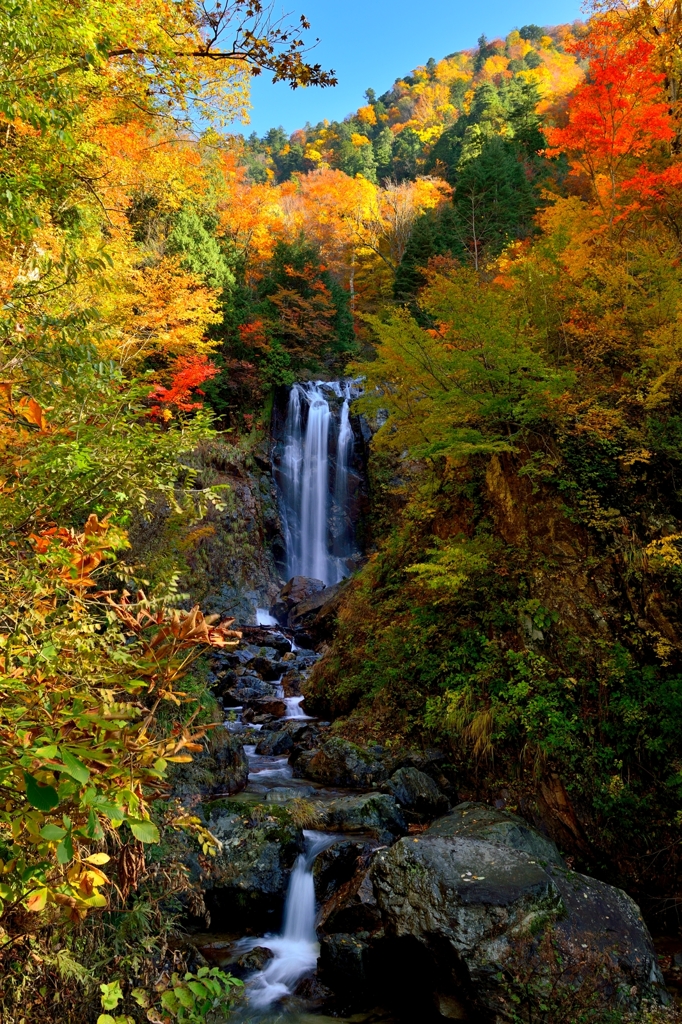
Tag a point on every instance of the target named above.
point(480, 821)
point(339, 762)
point(246, 882)
point(416, 793)
point(274, 743)
point(317, 610)
point(372, 814)
point(510, 934)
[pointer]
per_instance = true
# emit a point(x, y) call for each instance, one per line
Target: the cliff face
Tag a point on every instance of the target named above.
point(539, 643)
point(232, 554)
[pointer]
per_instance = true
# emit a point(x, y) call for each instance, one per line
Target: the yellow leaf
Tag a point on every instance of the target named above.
point(180, 759)
point(98, 858)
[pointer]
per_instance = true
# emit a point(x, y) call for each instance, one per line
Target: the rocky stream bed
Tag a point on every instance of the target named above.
point(353, 883)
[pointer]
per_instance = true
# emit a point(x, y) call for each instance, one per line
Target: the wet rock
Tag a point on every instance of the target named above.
point(339, 762)
point(221, 769)
point(271, 706)
point(518, 930)
point(285, 794)
point(315, 994)
point(260, 636)
point(416, 793)
point(480, 821)
point(254, 960)
point(376, 814)
point(265, 668)
point(338, 864)
point(344, 964)
point(299, 588)
point(255, 684)
point(317, 609)
point(291, 684)
point(274, 743)
point(304, 640)
point(289, 656)
point(246, 882)
point(353, 908)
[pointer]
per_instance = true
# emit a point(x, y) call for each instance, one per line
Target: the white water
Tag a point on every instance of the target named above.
point(264, 618)
point(343, 451)
point(314, 513)
point(294, 709)
point(296, 949)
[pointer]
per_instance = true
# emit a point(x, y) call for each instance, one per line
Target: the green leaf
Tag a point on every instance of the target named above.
point(198, 989)
point(169, 1001)
point(75, 768)
point(49, 652)
point(43, 798)
point(184, 996)
point(47, 752)
point(65, 850)
point(105, 1018)
point(144, 830)
point(111, 994)
point(52, 832)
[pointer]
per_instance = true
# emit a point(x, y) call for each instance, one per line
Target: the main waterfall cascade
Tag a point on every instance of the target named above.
point(313, 480)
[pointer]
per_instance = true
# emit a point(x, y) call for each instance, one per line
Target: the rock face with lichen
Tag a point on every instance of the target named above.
point(246, 882)
point(499, 923)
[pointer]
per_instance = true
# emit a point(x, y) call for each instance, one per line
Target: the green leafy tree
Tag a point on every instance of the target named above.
point(193, 239)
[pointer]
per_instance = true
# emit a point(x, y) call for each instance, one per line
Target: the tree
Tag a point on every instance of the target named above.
point(617, 116)
point(494, 201)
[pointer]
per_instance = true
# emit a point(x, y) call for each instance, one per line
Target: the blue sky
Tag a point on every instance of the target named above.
point(370, 43)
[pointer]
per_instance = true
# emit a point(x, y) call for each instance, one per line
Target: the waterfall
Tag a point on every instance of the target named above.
point(313, 488)
point(296, 949)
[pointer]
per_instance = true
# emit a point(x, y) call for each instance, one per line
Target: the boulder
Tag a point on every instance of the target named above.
point(339, 762)
point(317, 609)
point(480, 821)
point(266, 636)
point(254, 684)
point(352, 906)
point(515, 934)
point(291, 684)
point(273, 743)
point(285, 794)
point(265, 668)
point(345, 964)
point(298, 589)
point(338, 864)
point(416, 793)
point(375, 814)
point(254, 960)
point(270, 706)
point(221, 769)
point(245, 884)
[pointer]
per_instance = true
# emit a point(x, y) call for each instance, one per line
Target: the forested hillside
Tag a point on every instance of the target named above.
point(493, 245)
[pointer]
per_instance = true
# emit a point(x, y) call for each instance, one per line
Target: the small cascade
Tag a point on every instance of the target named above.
point(296, 949)
point(264, 618)
point(313, 480)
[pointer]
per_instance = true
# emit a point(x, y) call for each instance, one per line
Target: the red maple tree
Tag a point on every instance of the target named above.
point(188, 373)
point(617, 116)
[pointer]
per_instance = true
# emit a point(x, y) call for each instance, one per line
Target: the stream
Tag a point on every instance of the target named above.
point(314, 476)
point(296, 946)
